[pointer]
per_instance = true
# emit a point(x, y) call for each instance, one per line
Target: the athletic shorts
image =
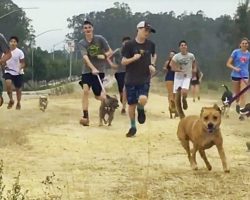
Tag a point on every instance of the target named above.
point(92, 81)
point(183, 83)
point(238, 78)
point(133, 92)
point(195, 82)
point(17, 80)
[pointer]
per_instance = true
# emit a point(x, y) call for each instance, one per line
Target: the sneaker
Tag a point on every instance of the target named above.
point(84, 121)
point(244, 111)
point(141, 116)
point(10, 104)
point(123, 111)
point(18, 106)
point(131, 132)
point(1, 101)
point(184, 103)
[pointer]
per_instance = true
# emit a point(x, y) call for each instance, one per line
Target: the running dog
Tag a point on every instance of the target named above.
point(43, 103)
point(226, 98)
point(172, 110)
point(204, 132)
point(107, 110)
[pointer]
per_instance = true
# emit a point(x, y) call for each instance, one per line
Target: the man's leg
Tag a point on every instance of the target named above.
point(184, 92)
point(8, 82)
point(18, 83)
point(132, 103)
point(86, 83)
point(142, 100)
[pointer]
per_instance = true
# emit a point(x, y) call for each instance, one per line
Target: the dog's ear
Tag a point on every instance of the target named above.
point(108, 97)
point(216, 107)
point(115, 96)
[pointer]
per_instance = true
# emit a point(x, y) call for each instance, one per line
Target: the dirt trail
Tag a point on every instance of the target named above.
point(101, 163)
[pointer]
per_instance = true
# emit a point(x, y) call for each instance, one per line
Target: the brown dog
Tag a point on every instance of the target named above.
point(107, 109)
point(172, 110)
point(203, 132)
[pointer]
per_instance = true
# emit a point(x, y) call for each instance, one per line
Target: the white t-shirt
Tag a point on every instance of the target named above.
point(13, 65)
point(185, 63)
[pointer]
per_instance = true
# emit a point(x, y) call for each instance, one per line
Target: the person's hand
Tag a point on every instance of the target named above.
point(101, 56)
point(136, 56)
point(237, 69)
point(95, 71)
point(152, 69)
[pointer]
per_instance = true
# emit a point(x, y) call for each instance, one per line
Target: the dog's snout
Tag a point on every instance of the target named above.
point(210, 126)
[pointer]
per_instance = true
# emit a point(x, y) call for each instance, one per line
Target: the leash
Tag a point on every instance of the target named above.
point(99, 79)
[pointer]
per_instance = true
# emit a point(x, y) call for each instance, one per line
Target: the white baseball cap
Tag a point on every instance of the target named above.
point(144, 24)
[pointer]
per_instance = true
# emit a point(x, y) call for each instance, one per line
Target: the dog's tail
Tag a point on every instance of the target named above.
point(178, 103)
point(223, 85)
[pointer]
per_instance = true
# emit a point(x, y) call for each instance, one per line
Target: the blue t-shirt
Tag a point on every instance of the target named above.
point(241, 60)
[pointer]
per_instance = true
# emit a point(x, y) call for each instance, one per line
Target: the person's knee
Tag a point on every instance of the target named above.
point(142, 100)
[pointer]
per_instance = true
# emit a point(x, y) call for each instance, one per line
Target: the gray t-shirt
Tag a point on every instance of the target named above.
point(117, 58)
point(97, 46)
point(184, 62)
point(3, 45)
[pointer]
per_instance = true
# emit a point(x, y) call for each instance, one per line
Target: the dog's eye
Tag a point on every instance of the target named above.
point(206, 118)
point(215, 117)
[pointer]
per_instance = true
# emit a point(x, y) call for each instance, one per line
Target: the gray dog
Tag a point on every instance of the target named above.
point(107, 110)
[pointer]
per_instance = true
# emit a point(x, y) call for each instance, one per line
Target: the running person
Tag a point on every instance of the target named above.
point(13, 73)
point(184, 65)
point(115, 62)
point(5, 50)
point(195, 84)
point(239, 63)
point(169, 77)
point(139, 57)
point(94, 49)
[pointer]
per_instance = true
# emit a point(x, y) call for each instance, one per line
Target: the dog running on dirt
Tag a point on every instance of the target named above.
point(204, 132)
point(43, 103)
point(172, 109)
point(107, 110)
point(226, 98)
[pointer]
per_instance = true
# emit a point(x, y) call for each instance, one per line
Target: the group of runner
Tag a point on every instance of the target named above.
point(134, 63)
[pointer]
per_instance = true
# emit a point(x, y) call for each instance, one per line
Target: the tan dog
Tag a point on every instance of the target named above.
point(172, 110)
point(203, 132)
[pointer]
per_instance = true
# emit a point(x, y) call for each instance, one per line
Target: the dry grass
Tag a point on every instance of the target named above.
point(101, 163)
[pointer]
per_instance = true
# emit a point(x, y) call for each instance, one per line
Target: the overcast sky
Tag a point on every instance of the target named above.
point(52, 14)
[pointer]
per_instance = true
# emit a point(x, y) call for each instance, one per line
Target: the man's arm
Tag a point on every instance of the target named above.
point(6, 56)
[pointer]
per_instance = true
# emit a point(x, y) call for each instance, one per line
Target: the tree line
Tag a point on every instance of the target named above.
point(211, 40)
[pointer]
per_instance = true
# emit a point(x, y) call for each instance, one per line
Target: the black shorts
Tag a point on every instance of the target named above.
point(195, 82)
point(120, 76)
point(135, 91)
point(92, 81)
point(238, 78)
point(17, 80)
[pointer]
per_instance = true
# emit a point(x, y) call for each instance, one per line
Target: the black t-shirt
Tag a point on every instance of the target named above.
point(137, 72)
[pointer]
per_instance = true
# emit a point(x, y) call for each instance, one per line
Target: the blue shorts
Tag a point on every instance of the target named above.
point(92, 81)
point(120, 77)
point(170, 76)
point(134, 91)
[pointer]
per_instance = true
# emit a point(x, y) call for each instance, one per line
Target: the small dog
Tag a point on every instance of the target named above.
point(43, 103)
point(204, 132)
point(226, 98)
point(172, 110)
point(107, 109)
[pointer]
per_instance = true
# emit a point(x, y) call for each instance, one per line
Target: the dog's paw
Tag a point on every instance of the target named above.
point(194, 167)
point(227, 170)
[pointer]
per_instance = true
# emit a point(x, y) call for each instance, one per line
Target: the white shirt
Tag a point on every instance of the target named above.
point(13, 65)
